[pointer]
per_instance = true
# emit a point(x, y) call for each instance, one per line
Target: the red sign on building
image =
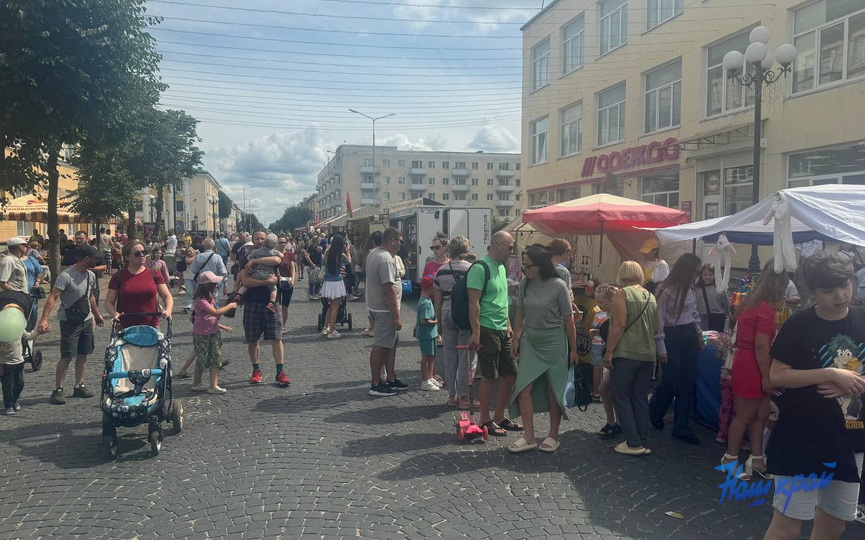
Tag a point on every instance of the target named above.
point(647, 154)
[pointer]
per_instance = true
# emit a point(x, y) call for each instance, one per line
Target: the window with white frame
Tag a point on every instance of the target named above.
point(417, 164)
point(489, 166)
point(459, 196)
point(385, 163)
point(839, 165)
point(724, 94)
point(540, 131)
point(446, 164)
point(504, 166)
point(446, 196)
point(489, 181)
point(573, 35)
point(474, 181)
point(489, 196)
point(611, 115)
point(614, 24)
point(663, 97)
point(401, 162)
point(460, 165)
point(474, 165)
point(431, 165)
point(367, 163)
point(446, 181)
point(572, 130)
point(662, 189)
point(661, 11)
point(474, 196)
point(541, 64)
point(829, 36)
point(738, 189)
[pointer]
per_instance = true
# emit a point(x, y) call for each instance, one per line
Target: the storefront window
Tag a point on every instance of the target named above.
point(662, 189)
point(738, 189)
point(841, 165)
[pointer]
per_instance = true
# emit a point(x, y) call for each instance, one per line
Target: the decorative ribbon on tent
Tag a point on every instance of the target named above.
point(34, 209)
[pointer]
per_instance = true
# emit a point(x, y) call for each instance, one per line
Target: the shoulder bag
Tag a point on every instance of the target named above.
point(78, 312)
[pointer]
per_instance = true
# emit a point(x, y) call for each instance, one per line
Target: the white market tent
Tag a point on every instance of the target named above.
point(828, 212)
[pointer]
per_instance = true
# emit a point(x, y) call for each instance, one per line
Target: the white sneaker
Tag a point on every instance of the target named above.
point(325, 332)
point(216, 390)
point(333, 335)
point(435, 382)
point(198, 388)
point(429, 386)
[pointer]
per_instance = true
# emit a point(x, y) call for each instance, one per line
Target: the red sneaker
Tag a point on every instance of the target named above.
point(256, 376)
point(281, 379)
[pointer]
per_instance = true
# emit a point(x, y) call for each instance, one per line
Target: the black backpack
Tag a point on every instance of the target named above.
point(460, 297)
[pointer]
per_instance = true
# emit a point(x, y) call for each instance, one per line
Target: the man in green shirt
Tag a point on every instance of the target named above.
point(491, 332)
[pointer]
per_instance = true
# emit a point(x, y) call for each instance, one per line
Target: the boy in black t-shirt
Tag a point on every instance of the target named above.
point(818, 358)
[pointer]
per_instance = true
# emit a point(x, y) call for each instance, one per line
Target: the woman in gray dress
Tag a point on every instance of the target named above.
point(544, 328)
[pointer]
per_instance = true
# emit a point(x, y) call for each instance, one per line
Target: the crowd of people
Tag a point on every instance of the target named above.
point(510, 321)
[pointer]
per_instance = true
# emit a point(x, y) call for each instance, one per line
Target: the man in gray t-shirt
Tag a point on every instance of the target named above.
point(383, 297)
point(13, 274)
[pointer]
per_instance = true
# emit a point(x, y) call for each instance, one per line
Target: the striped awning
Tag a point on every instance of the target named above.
point(35, 209)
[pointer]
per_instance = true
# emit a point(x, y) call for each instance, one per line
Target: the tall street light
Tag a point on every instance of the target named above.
point(762, 73)
point(374, 170)
point(213, 200)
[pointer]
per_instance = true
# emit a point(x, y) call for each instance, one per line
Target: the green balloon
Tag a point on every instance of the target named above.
point(12, 324)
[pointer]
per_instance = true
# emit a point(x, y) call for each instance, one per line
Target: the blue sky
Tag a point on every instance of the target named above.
point(272, 81)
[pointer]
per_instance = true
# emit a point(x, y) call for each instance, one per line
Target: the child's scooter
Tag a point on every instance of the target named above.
point(468, 431)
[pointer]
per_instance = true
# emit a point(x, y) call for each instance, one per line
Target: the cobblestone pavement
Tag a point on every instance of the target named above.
point(322, 459)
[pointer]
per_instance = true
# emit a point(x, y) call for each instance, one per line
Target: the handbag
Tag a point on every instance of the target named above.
point(78, 312)
point(577, 391)
point(322, 271)
point(407, 286)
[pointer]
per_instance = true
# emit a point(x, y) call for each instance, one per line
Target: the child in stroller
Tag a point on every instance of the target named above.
point(136, 384)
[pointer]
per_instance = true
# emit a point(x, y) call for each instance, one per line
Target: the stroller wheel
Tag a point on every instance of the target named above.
point(36, 360)
point(177, 417)
point(349, 321)
point(155, 439)
point(111, 446)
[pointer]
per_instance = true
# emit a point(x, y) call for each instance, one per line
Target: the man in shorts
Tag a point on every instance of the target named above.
point(259, 321)
point(76, 338)
point(383, 296)
point(492, 332)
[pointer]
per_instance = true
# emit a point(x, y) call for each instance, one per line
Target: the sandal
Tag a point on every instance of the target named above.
point(549, 445)
point(494, 429)
point(182, 375)
point(510, 425)
point(521, 445)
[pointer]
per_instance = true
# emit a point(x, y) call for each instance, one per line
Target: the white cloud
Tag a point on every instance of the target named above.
point(491, 138)
point(426, 14)
point(404, 142)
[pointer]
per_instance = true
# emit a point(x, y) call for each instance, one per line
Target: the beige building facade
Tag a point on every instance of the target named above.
point(194, 207)
point(481, 179)
point(631, 98)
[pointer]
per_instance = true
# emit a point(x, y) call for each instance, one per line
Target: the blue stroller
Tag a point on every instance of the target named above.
point(136, 384)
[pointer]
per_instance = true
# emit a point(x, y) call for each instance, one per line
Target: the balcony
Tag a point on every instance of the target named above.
point(460, 188)
point(505, 204)
point(417, 171)
point(505, 188)
point(504, 174)
point(460, 203)
point(369, 202)
point(370, 170)
point(460, 173)
point(369, 185)
point(417, 188)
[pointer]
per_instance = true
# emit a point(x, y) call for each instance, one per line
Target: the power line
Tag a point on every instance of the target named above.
point(412, 127)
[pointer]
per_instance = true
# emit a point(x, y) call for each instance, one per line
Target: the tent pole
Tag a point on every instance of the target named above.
point(601, 255)
point(694, 246)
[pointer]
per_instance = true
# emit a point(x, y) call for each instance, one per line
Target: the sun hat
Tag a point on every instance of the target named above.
point(209, 277)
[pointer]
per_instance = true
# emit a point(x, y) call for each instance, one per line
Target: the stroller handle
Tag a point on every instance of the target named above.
point(141, 314)
point(125, 374)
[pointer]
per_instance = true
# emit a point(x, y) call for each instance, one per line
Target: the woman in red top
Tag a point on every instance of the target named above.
point(440, 255)
point(135, 289)
point(755, 330)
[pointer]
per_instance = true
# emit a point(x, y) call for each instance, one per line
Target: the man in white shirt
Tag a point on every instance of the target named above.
point(170, 250)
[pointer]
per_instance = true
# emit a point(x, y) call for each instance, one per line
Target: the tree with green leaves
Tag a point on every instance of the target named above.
point(294, 217)
point(225, 205)
point(67, 68)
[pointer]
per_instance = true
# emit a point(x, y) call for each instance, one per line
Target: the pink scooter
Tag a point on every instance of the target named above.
point(468, 431)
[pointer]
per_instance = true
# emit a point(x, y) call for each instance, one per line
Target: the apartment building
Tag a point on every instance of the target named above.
point(194, 207)
point(453, 178)
point(631, 97)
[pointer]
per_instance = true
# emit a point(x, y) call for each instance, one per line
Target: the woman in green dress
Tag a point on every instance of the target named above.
point(544, 329)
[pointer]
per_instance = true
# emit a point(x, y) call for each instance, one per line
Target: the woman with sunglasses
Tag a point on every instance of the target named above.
point(439, 248)
point(544, 329)
point(136, 288)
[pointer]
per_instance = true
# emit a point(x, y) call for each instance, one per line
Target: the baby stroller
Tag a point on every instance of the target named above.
point(136, 384)
point(27, 303)
point(343, 317)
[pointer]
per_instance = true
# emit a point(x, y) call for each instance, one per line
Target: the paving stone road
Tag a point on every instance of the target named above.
point(322, 459)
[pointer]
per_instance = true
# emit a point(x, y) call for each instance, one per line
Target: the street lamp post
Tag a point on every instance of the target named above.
point(374, 170)
point(213, 200)
point(762, 73)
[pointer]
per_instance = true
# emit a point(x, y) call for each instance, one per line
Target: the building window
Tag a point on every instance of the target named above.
point(661, 11)
point(178, 206)
point(517, 182)
point(489, 166)
point(662, 189)
point(540, 131)
point(446, 164)
point(387, 195)
point(387, 179)
point(572, 45)
point(367, 163)
point(611, 115)
point(446, 196)
point(460, 165)
point(431, 196)
point(431, 164)
point(446, 181)
point(504, 166)
point(722, 93)
point(401, 163)
point(385, 163)
point(402, 179)
point(489, 196)
point(417, 164)
point(541, 65)
point(503, 212)
point(614, 24)
point(474, 196)
point(474, 181)
point(402, 196)
point(504, 196)
point(474, 165)
point(844, 165)
point(572, 130)
point(431, 181)
point(663, 97)
point(830, 41)
point(738, 191)
point(459, 196)
point(518, 165)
